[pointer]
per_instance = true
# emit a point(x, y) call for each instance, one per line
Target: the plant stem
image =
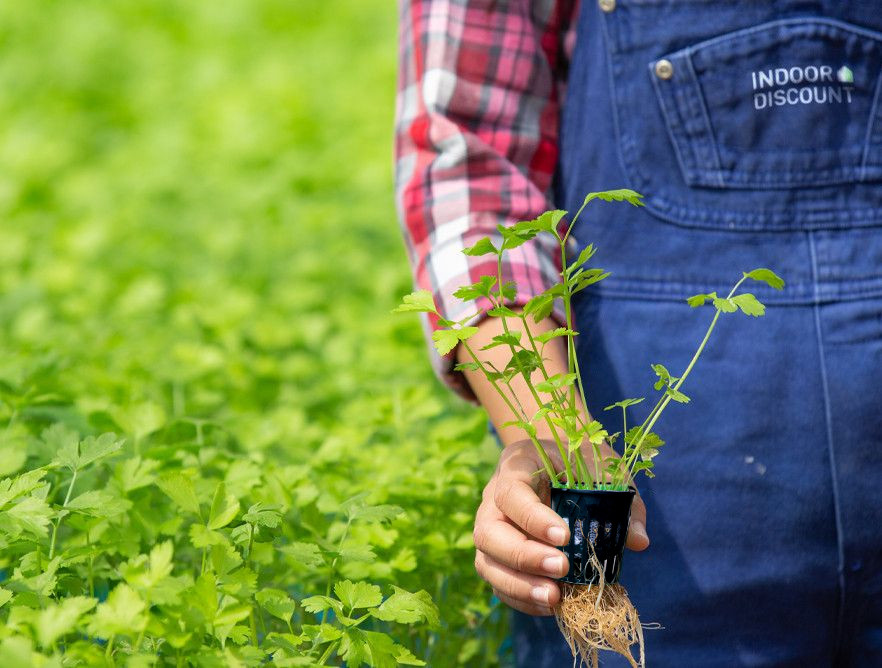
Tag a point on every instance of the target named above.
point(573, 221)
point(328, 652)
point(563, 453)
point(63, 506)
point(572, 361)
point(666, 398)
point(253, 625)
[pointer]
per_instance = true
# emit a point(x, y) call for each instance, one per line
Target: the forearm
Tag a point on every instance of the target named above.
point(555, 357)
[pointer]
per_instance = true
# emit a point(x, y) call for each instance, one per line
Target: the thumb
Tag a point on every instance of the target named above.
point(638, 539)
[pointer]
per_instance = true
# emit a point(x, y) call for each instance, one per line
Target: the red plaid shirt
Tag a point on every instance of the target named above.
point(479, 93)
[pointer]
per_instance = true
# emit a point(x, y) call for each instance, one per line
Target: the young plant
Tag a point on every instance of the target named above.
point(561, 396)
point(589, 620)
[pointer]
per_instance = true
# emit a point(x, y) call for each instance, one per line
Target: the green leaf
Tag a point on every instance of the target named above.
point(556, 382)
point(277, 603)
point(645, 467)
point(263, 515)
point(139, 419)
point(526, 426)
point(59, 619)
point(223, 508)
point(620, 195)
point(548, 221)
point(509, 290)
point(68, 455)
point(725, 305)
point(664, 376)
point(698, 300)
point(516, 235)
point(467, 366)
point(539, 307)
point(595, 432)
point(589, 277)
point(482, 247)
point(419, 301)
point(29, 515)
point(447, 339)
point(121, 614)
point(651, 440)
point(407, 608)
point(766, 276)
point(307, 554)
point(355, 508)
point(136, 473)
point(500, 311)
point(547, 336)
point(586, 254)
point(355, 595)
point(12, 488)
point(749, 304)
point(523, 362)
point(179, 488)
point(676, 395)
point(505, 339)
point(321, 634)
point(482, 288)
point(624, 403)
point(316, 604)
point(99, 503)
point(375, 649)
point(201, 536)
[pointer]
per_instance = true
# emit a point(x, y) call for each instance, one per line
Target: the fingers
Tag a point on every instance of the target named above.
point(514, 494)
point(504, 543)
point(637, 540)
point(535, 610)
point(528, 593)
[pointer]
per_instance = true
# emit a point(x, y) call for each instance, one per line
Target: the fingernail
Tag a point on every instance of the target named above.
point(557, 535)
point(540, 594)
point(639, 530)
point(553, 565)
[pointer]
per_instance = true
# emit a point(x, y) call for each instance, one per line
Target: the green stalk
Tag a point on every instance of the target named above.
point(572, 361)
point(58, 523)
point(563, 453)
point(253, 625)
point(328, 652)
point(573, 221)
point(666, 399)
point(560, 398)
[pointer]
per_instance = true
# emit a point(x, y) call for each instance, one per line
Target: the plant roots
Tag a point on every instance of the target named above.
point(599, 616)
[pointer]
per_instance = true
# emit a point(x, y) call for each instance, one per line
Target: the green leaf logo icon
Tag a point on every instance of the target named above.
point(845, 75)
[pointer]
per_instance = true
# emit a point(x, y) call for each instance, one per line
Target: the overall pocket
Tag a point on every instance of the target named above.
point(733, 118)
point(791, 103)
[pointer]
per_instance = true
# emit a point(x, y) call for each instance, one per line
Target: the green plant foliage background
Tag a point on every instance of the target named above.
point(198, 253)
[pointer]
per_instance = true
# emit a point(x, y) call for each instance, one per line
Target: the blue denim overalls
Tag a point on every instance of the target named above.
point(754, 129)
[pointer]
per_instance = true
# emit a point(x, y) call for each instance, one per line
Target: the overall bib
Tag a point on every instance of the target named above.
point(754, 129)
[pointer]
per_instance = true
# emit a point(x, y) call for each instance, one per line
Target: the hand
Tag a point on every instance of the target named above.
point(515, 529)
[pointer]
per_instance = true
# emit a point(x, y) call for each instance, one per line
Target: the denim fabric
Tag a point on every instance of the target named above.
point(764, 516)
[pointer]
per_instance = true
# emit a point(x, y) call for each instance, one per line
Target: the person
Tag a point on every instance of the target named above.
point(754, 131)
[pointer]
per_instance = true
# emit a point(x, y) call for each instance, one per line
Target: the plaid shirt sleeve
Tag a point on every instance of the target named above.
point(479, 91)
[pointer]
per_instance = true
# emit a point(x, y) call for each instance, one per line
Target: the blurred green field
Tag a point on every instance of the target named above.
point(199, 251)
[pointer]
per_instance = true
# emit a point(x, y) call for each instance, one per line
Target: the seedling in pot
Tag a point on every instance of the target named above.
point(593, 473)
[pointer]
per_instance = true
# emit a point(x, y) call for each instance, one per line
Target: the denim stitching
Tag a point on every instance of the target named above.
point(871, 126)
point(840, 616)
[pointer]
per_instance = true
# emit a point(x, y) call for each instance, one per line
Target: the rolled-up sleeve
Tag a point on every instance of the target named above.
point(479, 92)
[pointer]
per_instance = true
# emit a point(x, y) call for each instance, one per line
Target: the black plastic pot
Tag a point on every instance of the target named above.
point(598, 518)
